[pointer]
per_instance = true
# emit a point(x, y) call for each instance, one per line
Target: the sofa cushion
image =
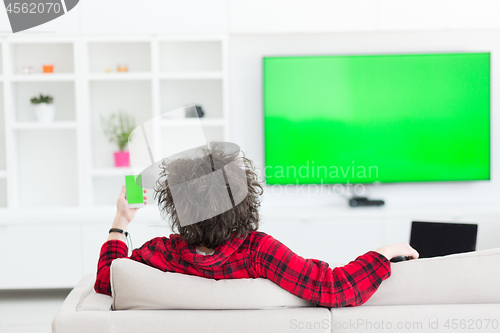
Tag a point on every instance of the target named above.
point(465, 278)
point(137, 286)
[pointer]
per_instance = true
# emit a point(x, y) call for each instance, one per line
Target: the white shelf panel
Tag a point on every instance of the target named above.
point(62, 92)
point(49, 77)
point(3, 174)
point(191, 122)
point(135, 55)
point(105, 172)
point(120, 76)
point(192, 76)
point(53, 125)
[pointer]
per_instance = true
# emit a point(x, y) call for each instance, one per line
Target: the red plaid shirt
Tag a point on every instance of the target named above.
point(258, 255)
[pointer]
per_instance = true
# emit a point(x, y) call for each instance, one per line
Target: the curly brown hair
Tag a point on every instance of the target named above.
point(235, 222)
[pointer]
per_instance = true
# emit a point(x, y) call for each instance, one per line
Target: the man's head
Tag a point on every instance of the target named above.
point(238, 172)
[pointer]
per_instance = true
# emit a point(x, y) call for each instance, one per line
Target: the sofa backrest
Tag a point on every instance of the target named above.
point(136, 286)
point(465, 278)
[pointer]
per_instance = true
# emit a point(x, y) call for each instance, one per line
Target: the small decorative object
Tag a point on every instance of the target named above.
point(27, 70)
point(122, 68)
point(117, 127)
point(44, 108)
point(48, 68)
point(194, 111)
point(108, 70)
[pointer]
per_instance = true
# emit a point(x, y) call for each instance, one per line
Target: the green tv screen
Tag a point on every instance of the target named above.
point(377, 118)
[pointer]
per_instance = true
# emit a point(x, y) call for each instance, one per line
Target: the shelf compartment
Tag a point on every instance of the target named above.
point(108, 55)
point(207, 93)
point(38, 54)
point(62, 92)
point(47, 170)
point(190, 56)
point(133, 97)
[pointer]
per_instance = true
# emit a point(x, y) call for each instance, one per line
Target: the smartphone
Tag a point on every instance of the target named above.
point(135, 193)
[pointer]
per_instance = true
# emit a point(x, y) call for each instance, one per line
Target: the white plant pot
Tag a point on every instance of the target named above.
point(45, 113)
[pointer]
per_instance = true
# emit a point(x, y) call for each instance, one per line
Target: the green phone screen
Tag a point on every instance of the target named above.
point(134, 189)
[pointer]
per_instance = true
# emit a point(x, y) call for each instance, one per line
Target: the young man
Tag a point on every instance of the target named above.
point(228, 245)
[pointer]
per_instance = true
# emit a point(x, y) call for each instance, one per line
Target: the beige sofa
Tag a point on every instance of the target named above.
point(456, 293)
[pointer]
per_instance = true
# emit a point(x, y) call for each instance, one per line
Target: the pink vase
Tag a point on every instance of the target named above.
point(122, 159)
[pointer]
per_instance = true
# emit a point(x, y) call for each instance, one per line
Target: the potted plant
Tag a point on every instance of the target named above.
point(44, 108)
point(117, 128)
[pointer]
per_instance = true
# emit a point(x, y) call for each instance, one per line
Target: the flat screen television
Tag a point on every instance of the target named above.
point(377, 118)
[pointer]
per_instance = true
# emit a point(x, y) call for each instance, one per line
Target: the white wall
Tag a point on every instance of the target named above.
point(291, 16)
point(269, 16)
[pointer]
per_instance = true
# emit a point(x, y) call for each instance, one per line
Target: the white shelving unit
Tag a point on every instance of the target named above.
point(58, 183)
point(164, 73)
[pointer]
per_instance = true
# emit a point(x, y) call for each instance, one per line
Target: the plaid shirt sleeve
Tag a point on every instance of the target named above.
point(150, 253)
point(110, 251)
point(313, 280)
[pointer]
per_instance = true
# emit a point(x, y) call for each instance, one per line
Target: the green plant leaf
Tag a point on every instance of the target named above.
point(117, 127)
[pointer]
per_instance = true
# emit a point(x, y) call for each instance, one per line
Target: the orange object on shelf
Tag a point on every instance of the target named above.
point(122, 68)
point(48, 68)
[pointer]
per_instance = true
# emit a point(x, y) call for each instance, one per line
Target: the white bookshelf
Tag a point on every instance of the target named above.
point(164, 73)
point(58, 183)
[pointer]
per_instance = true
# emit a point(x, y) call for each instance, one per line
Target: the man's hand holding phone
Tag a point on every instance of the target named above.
point(124, 213)
point(124, 208)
